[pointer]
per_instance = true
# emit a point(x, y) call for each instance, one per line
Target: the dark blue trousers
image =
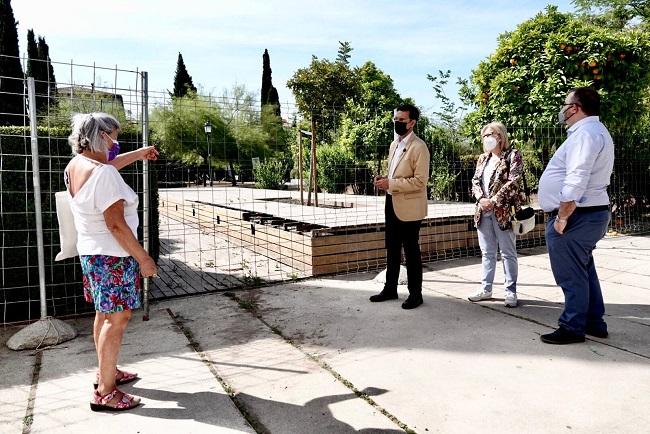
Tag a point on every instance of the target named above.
point(574, 270)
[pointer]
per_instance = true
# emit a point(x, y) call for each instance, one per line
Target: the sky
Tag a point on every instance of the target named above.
point(222, 42)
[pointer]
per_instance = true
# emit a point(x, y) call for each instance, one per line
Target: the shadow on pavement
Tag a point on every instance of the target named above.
point(324, 421)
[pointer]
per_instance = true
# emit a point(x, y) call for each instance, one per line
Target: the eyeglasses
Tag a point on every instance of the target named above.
point(490, 134)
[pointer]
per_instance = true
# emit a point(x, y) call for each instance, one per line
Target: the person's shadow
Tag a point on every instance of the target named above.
point(314, 417)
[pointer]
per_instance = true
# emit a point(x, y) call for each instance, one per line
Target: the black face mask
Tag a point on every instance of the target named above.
point(400, 127)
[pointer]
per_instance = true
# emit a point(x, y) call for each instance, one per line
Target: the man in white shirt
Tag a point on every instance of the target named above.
point(573, 189)
point(406, 206)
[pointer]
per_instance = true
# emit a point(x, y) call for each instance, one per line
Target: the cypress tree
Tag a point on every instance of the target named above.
point(266, 78)
point(39, 66)
point(36, 69)
point(182, 79)
point(269, 92)
point(11, 84)
point(32, 54)
point(274, 99)
point(47, 69)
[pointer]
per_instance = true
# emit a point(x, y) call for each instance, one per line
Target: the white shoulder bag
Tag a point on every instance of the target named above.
point(67, 229)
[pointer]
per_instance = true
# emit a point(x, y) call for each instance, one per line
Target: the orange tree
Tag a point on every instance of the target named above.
point(523, 83)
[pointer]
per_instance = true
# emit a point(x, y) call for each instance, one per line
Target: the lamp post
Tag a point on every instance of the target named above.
point(208, 130)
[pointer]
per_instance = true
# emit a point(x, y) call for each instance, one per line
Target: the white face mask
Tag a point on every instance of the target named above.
point(562, 118)
point(489, 143)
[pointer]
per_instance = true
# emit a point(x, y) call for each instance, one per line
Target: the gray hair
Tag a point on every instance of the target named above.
point(87, 129)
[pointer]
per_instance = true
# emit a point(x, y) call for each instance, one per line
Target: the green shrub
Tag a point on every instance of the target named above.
point(270, 174)
point(336, 168)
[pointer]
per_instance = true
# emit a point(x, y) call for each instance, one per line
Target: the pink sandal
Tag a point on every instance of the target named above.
point(103, 403)
point(121, 377)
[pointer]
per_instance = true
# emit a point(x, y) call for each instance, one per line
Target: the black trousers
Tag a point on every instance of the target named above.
point(398, 234)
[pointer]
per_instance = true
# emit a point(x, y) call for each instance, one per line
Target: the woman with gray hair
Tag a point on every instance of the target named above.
point(106, 217)
point(495, 186)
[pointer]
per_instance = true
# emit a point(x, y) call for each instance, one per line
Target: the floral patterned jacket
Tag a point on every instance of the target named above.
point(505, 186)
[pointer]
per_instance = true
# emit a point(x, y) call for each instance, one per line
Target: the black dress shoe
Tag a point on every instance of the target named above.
point(562, 336)
point(383, 296)
point(412, 302)
point(596, 332)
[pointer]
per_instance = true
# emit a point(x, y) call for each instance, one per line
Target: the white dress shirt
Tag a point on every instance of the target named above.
point(580, 169)
point(401, 147)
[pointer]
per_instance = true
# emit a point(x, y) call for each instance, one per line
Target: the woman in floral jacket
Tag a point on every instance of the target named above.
point(496, 188)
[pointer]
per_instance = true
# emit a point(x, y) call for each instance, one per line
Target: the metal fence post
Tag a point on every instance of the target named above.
point(36, 178)
point(145, 187)
point(46, 331)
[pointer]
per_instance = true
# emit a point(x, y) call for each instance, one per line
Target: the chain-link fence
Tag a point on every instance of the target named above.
point(249, 194)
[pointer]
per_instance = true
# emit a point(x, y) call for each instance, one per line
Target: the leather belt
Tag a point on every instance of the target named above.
point(583, 210)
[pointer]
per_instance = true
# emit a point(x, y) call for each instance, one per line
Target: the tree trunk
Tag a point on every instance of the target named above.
point(314, 162)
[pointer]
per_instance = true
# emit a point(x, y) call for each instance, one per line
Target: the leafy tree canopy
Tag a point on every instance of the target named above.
point(322, 89)
point(524, 82)
point(616, 13)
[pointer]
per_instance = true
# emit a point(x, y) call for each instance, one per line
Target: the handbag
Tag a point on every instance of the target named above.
point(523, 221)
point(67, 229)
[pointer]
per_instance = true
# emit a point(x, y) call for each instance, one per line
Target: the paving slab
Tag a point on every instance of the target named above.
point(178, 390)
point(15, 383)
point(282, 388)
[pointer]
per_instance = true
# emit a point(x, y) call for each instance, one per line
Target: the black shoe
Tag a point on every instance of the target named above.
point(383, 296)
point(412, 302)
point(562, 336)
point(596, 332)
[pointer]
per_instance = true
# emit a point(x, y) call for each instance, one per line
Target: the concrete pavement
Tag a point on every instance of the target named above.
point(316, 357)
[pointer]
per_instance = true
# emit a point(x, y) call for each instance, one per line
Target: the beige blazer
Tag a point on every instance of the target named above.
point(409, 186)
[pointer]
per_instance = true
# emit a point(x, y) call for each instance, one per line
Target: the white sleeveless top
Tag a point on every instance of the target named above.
point(102, 189)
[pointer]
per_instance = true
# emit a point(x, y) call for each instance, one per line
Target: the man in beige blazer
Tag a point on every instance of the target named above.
point(406, 206)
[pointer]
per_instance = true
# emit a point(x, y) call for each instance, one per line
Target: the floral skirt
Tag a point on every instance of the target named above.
point(111, 283)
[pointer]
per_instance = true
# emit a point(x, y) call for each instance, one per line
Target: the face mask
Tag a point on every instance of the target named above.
point(489, 143)
point(114, 151)
point(400, 128)
point(562, 117)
